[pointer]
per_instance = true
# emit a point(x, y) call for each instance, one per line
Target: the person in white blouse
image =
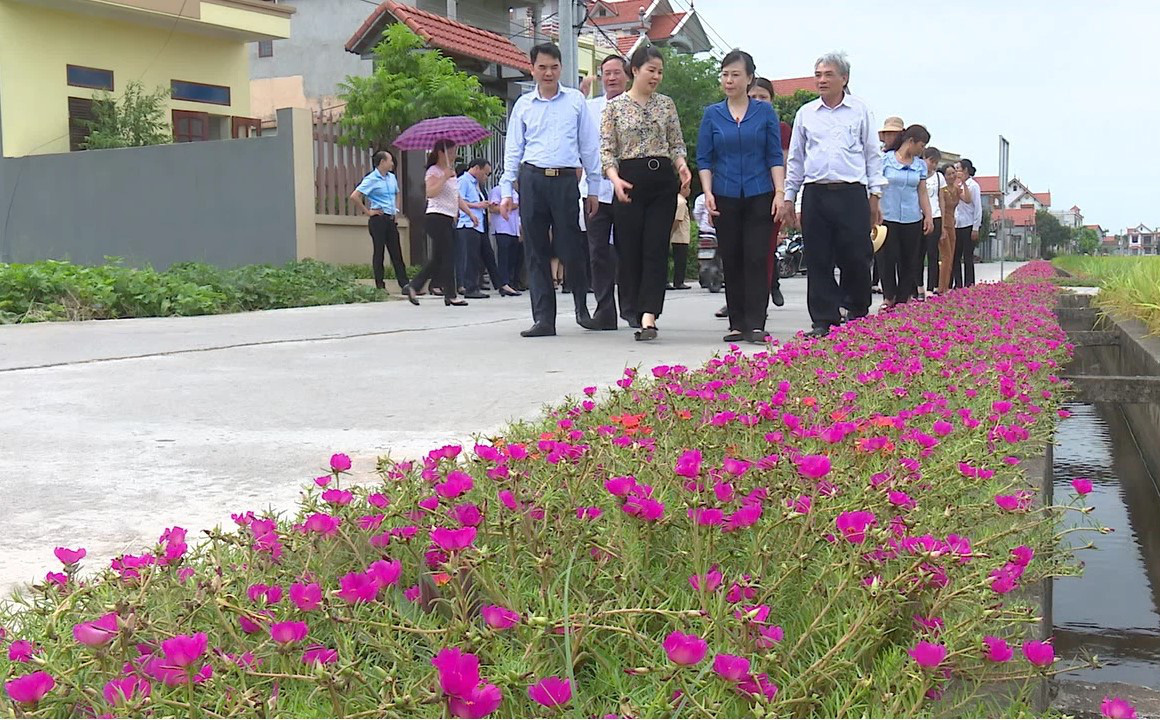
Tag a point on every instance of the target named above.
point(935, 183)
point(968, 219)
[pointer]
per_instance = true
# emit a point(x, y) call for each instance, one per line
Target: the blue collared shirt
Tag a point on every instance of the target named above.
point(552, 133)
point(382, 192)
point(740, 155)
point(469, 192)
point(903, 185)
point(499, 225)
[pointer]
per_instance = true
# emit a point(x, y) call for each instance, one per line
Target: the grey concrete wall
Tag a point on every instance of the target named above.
point(224, 202)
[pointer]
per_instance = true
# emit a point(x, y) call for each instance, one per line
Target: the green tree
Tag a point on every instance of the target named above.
point(410, 83)
point(692, 83)
point(787, 106)
point(136, 118)
point(1053, 236)
point(1087, 241)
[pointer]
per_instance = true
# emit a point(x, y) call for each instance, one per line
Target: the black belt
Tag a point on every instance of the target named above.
point(835, 185)
point(390, 217)
point(551, 173)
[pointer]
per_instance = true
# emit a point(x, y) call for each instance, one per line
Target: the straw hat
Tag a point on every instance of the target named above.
point(878, 237)
point(892, 123)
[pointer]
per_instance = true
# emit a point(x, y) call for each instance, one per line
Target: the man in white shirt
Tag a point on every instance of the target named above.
point(968, 219)
point(601, 234)
point(835, 165)
point(935, 183)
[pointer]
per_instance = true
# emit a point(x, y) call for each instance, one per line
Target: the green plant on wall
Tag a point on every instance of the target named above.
point(136, 118)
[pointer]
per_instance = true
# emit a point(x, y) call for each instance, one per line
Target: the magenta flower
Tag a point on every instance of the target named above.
point(498, 617)
point(816, 466)
point(122, 691)
point(340, 462)
point(731, 667)
point(928, 655)
point(928, 624)
point(358, 587)
point(324, 525)
point(457, 484)
point(287, 632)
point(736, 468)
point(338, 497)
point(996, 649)
point(30, 688)
point(21, 650)
point(454, 539)
point(801, 504)
point(259, 593)
point(1040, 654)
point(1114, 708)
point(315, 655)
point(744, 517)
point(508, 499)
point(853, 524)
point(710, 580)
point(385, 572)
point(900, 500)
point(458, 672)
point(306, 595)
point(378, 500)
point(1082, 486)
point(688, 464)
point(620, 486)
point(706, 516)
point(685, 649)
point(551, 692)
point(647, 509)
point(98, 632)
point(184, 650)
point(756, 686)
point(589, 513)
point(1007, 503)
point(68, 557)
point(323, 481)
point(467, 515)
point(767, 637)
point(484, 699)
point(1022, 555)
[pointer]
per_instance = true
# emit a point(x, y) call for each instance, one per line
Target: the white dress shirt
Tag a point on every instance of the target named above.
point(703, 217)
point(935, 183)
point(970, 214)
point(552, 133)
point(596, 109)
point(833, 145)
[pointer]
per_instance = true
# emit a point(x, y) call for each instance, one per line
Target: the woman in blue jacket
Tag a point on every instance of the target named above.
point(742, 170)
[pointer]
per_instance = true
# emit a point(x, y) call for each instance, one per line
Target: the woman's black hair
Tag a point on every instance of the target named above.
point(444, 145)
point(644, 55)
point(968, 166)
point(740, 56)
point(932, 153)
point(915, 132)
point(763, 83)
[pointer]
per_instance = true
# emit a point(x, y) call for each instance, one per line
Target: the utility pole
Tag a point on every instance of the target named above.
point(1004, 151)
point(568, 48)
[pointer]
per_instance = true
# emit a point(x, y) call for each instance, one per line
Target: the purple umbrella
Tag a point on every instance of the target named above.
point(423, 135)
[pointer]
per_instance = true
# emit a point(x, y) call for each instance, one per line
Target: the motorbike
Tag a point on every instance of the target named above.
point(791, 257)
point(712, 276)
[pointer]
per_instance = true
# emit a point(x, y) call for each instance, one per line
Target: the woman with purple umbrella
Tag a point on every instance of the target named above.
point(443, 206)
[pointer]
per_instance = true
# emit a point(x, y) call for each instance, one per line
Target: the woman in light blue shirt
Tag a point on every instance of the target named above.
point(907, 215)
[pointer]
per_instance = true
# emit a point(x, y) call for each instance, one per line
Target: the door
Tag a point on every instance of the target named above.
point(242, 127)
point(190, 126)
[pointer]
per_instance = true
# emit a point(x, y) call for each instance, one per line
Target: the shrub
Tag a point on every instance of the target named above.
point(837, 528)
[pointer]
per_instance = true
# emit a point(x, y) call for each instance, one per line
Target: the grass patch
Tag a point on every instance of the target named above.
point(1129, 286)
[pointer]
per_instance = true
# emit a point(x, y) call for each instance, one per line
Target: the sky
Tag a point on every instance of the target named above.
point(1071, 85)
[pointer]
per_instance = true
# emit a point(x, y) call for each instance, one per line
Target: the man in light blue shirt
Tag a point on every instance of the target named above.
point(470, 235)
point(377, 196)
point(551, 138)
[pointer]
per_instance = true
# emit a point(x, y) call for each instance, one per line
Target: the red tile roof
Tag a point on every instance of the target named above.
point(626, 43)
point(661, 27)
point(450, 35)
point(789, 86)
point(1043, 197)
point(1018, 217)
point(988, 184)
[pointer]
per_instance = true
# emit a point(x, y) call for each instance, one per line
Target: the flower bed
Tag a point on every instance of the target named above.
point(835, 528)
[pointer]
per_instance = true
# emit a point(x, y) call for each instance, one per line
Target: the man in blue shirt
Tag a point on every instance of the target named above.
point(470, 236)
point(377, 196)
point(551, 135)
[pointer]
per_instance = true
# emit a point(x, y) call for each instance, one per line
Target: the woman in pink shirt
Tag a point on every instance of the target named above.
point(443, 207)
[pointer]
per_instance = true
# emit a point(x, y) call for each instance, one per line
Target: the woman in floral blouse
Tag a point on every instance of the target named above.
point(640, 147)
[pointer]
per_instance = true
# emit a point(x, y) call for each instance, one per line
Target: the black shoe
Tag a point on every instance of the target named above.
point(819, 332)
point(669, 287)
point(604, 323)
point(757, 337)
point(722, 313)
point(734, 337)
point(477, 295)
point(585, 320)
point(566, 290)
point(777, 297)
point(504, 292)
point(645, 333)
point(454, 303)
point(410, 293)
point(539, 330)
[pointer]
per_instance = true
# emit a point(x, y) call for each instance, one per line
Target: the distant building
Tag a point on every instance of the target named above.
point(1141, 239)
point(1072, 218)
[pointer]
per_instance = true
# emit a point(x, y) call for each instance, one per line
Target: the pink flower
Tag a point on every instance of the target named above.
point(1040, 654)
point(1082, 486)
point(483, 700)
point(378, 500)
point(184, 650)
point(928, 654)
point(1022, 555)
point(21, 651)
point(735, 467)
point(371, 522)
point(853, 524)
point(928, 624)
point(996, 649)
point(385, 572)
point(259, 593)
point(457, 484)
point(900, 499)
point(1007, 503)
point(454, 539)
point(248, 625)
point(767, 637)
point(319, 655)
point(688, 464)
point(358, 587)
point(122, 691)
point(685, 649)
point(458, 672)
point(758, 685)
point(287, 632)
point(731, 667)
point(30, 688)
point(324, 525)
point(942, 428)
point(498, 617)
point(338, 497)
point(98, 632)
point(508, 499)
point(551, 692)
point(816, 466)
point(467, 515)
point(340, 462)
point(68, 557)
point(801, 504)
point(323, 481)
point(709, 580)
point(589, 513)
point(412, 594)
point(644, 508)
point(1116, 709)
point(184, 573)
point(706, 516)
point(57, 579)
point(620, 486)
point(744, 517)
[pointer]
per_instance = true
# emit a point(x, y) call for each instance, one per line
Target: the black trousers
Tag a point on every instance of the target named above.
point(642, 233)
point(900, 261)
point(680, 262)
point(385, 238)
point(930, 255)
point(440, 269)
point(602, 253)
point(550, 212)
point(479, 257)
point(836, 230)
point(507, 248)
point(963, 274)
point(744, 228)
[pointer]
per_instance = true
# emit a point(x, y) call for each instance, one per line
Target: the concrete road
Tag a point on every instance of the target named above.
point(113, 430)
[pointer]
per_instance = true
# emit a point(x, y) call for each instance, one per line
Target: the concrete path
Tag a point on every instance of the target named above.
point(111, 431)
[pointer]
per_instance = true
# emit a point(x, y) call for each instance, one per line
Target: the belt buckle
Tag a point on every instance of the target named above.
point(551, 172)
point(654, 164)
